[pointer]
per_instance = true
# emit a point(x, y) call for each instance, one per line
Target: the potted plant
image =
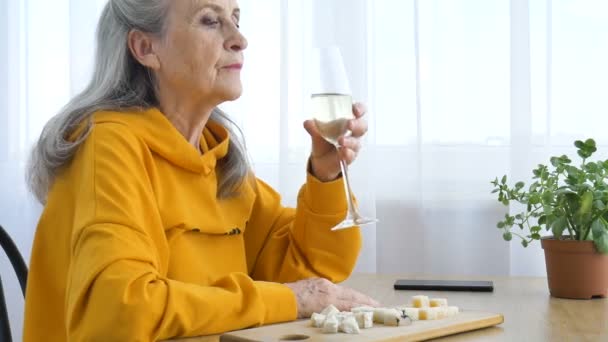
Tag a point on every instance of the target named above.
point(571, 203)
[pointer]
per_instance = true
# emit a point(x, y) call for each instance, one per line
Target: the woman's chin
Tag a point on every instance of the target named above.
point(232, 93)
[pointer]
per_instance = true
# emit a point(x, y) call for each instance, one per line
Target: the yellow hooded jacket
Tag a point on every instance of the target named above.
point(133, 244)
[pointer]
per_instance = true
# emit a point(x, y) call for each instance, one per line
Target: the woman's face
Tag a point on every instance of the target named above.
point(201, 53)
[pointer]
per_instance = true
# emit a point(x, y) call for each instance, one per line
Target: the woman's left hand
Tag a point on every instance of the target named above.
point(325, 158)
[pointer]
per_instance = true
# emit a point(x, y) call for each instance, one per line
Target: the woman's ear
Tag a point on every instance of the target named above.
point(142, 49)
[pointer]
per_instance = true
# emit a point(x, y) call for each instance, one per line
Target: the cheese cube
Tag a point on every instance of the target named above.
point(330, 326)
point(427, 313)
point(365, 319)
point(452, 311)
point(420, 301)
point(362, 309)
point(379, 315)
point(442, 312)
point(330, 310)
point(395, 317)
point(411, 313)
point(435, 302)
point(391, 317)
point(349, 325)
point(316, 320)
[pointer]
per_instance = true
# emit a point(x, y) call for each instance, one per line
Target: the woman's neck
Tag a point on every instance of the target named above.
point(189, 118)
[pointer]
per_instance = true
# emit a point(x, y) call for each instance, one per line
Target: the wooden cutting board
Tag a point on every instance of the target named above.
point(417, 331)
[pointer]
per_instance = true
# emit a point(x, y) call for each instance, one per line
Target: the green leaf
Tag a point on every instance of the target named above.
point(535, 236)
point(550, 220)
point(519, 185)
point(572, 200)
point(598, 227)
point(495, 191)
point(579, 144)
point(600, 205)
point(572, 171)
point(504, 179)
point(505, 202)
point(524, 243)
point(558, 226)
point(542, 220)
point(601, 242)
point(534, 199)
point(500, 225)
point(591, 167)
point(547, 197)
point(535, 229)
point(586, 203)
point(507, 236)
point(590, 143)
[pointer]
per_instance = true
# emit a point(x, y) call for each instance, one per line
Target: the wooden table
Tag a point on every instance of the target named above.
point(530, 313)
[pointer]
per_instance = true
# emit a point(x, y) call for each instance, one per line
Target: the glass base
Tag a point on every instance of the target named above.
point(353, 222)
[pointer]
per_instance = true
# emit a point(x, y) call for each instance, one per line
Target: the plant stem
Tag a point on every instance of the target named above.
point(527, 220)
point(588, 230)
point(569, 223)
point(522, 237)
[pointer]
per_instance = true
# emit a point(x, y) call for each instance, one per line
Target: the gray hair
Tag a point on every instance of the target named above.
point(119, 82)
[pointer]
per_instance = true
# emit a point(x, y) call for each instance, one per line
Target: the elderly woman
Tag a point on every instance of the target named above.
point(154, 226)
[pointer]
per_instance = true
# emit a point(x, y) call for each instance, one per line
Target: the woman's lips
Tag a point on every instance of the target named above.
point(235, 66)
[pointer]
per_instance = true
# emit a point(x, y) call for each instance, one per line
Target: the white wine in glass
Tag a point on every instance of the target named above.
point(332, 113)
point(332, 108)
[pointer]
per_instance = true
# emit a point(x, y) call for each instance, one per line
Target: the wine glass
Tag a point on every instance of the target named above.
point(332, 108)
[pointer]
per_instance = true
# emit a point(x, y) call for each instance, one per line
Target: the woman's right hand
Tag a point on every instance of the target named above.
point(314, 294)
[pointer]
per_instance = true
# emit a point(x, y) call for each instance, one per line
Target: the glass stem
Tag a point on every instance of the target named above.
point(352, 209)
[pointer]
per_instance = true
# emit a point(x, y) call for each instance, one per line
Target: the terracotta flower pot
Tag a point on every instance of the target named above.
point(575, 269)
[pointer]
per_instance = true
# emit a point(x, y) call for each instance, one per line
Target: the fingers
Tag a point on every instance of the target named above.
point(359, 109)
point(357, 298)
point(349, 149)
point(315, 294)
point(311, 128)
point(350, 143)
point(347, 155)
point(358, 126)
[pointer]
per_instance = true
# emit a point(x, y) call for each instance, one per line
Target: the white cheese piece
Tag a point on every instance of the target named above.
point(365, 319)
point(330, 310)
point(330, 326)
point(349, 325)
point(438, 302)
point(420, 301)
point(362, 309)
point(317, 320)
point(453, 311)
point(427, 313)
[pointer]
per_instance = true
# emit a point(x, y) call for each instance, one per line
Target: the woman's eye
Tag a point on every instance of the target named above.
point(209, 21)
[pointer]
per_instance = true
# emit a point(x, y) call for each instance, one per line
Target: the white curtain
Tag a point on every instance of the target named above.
point(459, 92)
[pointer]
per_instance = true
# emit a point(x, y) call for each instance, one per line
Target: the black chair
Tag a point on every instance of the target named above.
point(20, 268)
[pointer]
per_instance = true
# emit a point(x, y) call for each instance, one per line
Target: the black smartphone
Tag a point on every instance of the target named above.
point(444, 285)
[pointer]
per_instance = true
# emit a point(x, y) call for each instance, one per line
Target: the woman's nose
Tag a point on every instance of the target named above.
point(236, 41)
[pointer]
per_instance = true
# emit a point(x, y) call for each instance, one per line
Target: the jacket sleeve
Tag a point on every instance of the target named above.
point(118, 289)
point(286, 244)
